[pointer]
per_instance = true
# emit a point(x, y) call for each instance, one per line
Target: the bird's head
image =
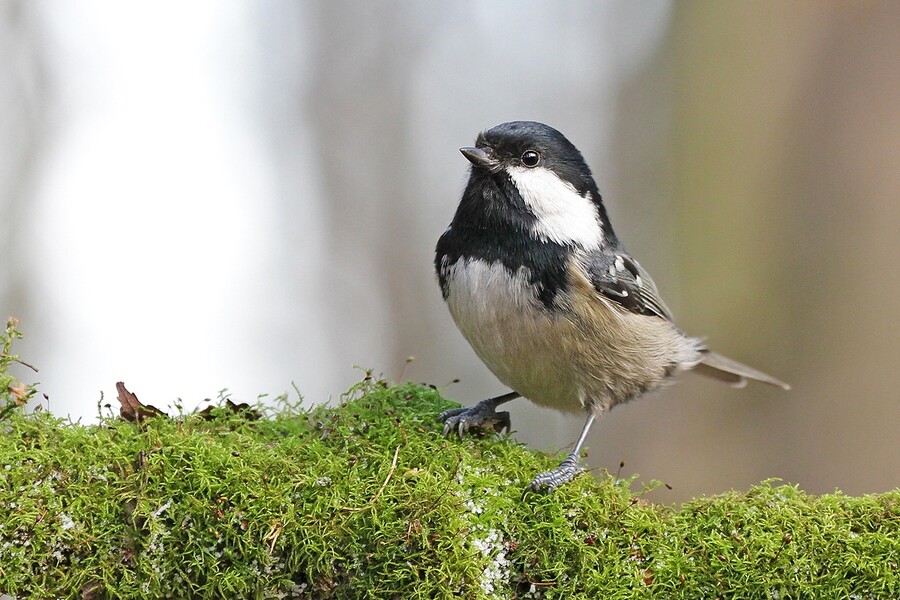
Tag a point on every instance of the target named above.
point(532, 170)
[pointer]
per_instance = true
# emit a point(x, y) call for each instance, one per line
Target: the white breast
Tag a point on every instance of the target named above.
point(519, 341)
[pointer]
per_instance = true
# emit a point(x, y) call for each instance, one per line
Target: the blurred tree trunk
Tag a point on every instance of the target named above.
point(367, 154)
point(786, 184)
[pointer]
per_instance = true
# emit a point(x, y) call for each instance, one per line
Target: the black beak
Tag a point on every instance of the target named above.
point(480, 157)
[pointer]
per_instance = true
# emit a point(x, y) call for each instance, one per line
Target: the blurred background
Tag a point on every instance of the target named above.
point(242, 195)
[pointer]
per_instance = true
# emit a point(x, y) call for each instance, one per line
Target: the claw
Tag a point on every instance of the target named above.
point(480, 416)
point(451, 413)
point(550, 480)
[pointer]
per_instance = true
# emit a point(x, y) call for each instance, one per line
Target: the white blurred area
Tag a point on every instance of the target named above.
point(154, 205)
point(206, 195)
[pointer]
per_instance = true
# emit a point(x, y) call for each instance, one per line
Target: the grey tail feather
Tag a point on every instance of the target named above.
point(732, 372)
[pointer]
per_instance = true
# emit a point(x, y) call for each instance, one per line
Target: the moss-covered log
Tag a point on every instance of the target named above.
point(366, 500)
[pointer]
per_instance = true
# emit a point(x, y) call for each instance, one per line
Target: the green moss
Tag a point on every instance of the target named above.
point(312, 504)
point(367, 500)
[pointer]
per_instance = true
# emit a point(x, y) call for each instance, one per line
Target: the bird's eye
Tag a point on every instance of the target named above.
point(531, 158)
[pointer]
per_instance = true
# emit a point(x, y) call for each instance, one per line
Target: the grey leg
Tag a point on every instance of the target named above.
point(482, 416)
point(568, 468)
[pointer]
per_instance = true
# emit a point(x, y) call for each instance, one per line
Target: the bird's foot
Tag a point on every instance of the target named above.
point(564, 473)
point(481, 416)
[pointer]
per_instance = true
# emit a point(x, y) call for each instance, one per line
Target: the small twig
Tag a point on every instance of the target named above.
point(383, 485)
point(274, 532)
point(389, 475)
point(402, 377)
point(20, 361)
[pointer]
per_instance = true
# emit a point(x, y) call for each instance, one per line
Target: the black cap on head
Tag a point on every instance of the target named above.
point(508, 144)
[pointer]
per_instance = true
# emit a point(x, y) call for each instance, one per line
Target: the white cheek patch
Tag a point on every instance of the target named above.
point(563, 215)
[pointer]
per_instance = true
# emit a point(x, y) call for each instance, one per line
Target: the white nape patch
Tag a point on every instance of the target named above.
point(563, 215)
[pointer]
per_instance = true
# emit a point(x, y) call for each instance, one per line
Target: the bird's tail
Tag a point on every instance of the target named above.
point(732, 372)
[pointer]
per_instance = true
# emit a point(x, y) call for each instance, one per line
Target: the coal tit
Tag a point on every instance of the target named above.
point(547, 296)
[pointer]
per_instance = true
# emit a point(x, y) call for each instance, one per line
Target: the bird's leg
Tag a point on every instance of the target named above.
point(482, 416)
point(568, 468)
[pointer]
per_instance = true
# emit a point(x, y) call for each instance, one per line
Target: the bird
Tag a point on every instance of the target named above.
point(540, 286)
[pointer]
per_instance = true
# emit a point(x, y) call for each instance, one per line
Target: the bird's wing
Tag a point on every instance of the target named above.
point(621, 279)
